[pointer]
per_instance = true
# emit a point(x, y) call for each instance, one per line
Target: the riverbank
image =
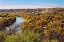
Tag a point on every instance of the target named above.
point(6, 21)
point(15, 27)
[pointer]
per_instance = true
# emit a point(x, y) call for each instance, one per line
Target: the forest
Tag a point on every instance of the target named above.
point(41, 25)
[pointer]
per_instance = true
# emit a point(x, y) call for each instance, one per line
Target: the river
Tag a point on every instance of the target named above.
point(15, 27)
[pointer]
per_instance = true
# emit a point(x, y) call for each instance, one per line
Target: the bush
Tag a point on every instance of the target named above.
point(30, 36)
point(13, 38)
point(54, 40)
point(2, 36)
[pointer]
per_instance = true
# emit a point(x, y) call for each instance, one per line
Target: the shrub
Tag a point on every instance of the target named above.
point(53, 40)
point(30, 36)
point(2, 36)
point(13, 38)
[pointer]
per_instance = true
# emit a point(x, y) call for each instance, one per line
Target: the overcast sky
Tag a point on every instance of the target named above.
point(17, 4)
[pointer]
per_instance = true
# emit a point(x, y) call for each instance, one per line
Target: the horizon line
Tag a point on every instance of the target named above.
point(27, 7)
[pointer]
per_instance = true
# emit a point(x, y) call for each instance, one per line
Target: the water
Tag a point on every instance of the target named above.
point(16, 27)
point(19, 20)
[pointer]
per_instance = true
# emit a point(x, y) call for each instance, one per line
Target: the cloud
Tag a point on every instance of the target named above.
point(26, 6)
point(19, 7)
point(50, 4)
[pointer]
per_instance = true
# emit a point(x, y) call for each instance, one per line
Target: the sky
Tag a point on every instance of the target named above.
point(17, 4)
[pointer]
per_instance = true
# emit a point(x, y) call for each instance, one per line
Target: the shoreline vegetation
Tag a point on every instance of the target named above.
point(6, 20)
point(41, 25)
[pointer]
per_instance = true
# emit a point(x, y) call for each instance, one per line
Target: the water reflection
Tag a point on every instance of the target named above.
point(16, 27)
